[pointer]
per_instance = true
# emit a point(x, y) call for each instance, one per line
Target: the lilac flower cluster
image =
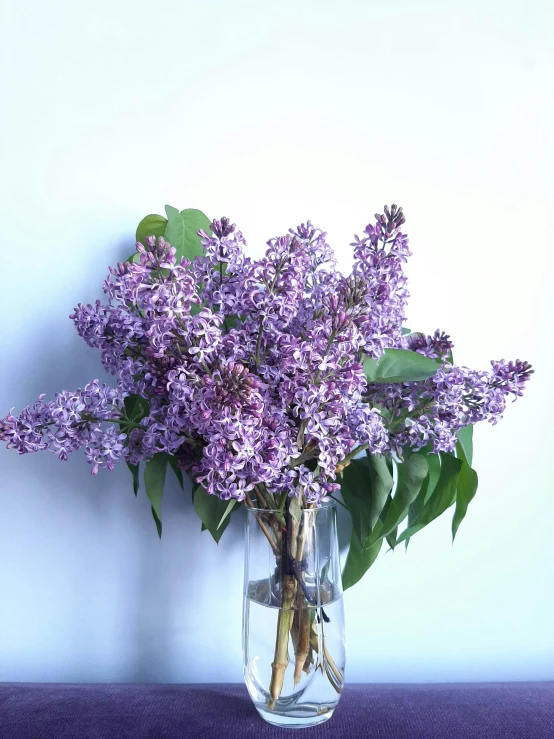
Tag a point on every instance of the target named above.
point(251, 371)
point(433, 411)
point(437, 346)
point(378, 260)
point(73, 420)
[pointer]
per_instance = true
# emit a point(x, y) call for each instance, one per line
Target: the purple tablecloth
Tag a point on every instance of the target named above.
point(453, 711)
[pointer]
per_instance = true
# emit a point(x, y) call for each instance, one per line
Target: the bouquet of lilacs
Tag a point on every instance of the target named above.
point(274, 383)
point(265, 379)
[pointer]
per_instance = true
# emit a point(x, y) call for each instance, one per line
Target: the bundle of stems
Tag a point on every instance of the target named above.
point(291, 536)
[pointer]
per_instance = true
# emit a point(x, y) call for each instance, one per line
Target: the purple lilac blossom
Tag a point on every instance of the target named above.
point(437, 346)
point(378, 259)
point(252, 369)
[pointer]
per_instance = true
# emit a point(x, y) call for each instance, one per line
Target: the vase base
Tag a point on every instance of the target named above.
point(302, 717)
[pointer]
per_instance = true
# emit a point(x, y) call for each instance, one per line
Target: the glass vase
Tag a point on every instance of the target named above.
point(293, 616)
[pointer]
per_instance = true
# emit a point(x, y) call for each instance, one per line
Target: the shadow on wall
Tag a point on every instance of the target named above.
point(94, 595)
point(97, 596)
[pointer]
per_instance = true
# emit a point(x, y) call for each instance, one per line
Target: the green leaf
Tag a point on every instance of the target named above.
point(399, 365)
point(464, 447)
point(294, 509)
point(136, 408)
point(391, 538)
point(175, 230)
point(356, 495)
point(365, 486)
point(154, 480)
point(430, 483)
point(171, 212)
point(211, 511)
point(381, 485)
point(135, 471)
point(197, 220)
point(468, 481)
point(152, 225)
point(177, 470)
point(406, 331)
point(358, 561)
point(442, 498)
point(158, 522)
point(467, 487)
point(181, 231)
point(411, 475)
point(230, 505)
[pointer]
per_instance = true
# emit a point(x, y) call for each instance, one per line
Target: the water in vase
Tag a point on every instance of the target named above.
point(313, 675)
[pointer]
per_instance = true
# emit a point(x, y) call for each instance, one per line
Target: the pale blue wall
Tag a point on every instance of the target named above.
point(273, 113)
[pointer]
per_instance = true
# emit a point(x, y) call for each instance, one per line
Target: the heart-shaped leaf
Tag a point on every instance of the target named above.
point(182, 231)
point(391, 538)
point(399, 365)
point(158, 522)
point(358, 561)
point(135, 472)
point(230, 505)
point(467, 487)
point(211, 511)
point(442, 497)
point(177, 470)
point(381, 484)
point(294, 509)
point(464, 447)
point(356, 495)
point(365, 486)
point(430, 483)
point(136, 408)
point(427, 488)
point(154, 481)
point(411, 475)
point(152, 225)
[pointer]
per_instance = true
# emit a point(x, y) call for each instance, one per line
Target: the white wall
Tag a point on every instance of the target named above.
point(272, 113)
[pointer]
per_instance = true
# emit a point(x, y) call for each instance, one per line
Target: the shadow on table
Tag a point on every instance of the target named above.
point(229, 701)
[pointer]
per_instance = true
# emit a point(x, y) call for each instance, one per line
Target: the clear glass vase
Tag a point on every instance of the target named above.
point(293, 616)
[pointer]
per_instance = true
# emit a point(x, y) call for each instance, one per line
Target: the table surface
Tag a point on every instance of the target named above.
point(446, 711)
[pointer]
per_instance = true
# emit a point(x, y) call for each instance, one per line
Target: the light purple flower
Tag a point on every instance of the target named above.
point(252, 370)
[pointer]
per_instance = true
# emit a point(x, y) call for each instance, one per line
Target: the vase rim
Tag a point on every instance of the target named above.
point(327, 505)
